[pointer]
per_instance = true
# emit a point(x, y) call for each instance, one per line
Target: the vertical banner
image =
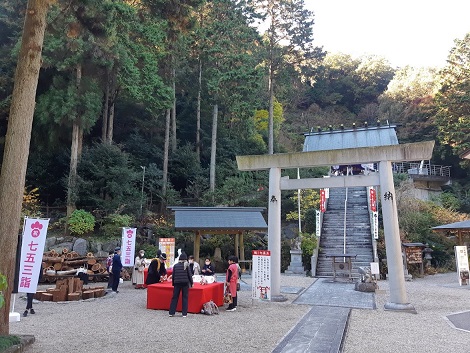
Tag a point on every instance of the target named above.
point(167, 246)
point(32, 248)
point(317, 223)
point(261, 276)
point(322, 200)
point(461, 257)
point(375, 224)
point(373, 199)
point(128, 246)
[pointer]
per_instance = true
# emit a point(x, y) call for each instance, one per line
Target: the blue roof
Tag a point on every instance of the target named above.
point(350, 138)
point(230, 219)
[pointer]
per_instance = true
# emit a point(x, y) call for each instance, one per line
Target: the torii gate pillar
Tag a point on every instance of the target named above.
point(398, 298)
point(274, 232)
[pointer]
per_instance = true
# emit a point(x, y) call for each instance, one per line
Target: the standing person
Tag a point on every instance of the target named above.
point(30, 297)
point(182, 280)
point(116, 269)
point(208, 269)
point(138, 272)
point(157, 271)
point(231, 279)
point(109, 263)
point(194, 266)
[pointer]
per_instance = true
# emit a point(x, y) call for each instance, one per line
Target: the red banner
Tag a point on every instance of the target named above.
point(322, 200)
point(373, 200)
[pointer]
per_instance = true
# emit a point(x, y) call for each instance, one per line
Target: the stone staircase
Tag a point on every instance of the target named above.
point(358, 236)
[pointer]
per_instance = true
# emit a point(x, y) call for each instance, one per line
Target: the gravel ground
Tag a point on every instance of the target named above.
point(433, 297)
point(121, 323)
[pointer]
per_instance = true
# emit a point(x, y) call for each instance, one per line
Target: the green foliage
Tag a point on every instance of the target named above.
point(31, 203)
point(308, 243)
point(113, 223)
point(3, 287)
point(107, 180)
point(8, 341)
point(150, 250)
point(309, 199)
point(453, 99)
point(81, 222)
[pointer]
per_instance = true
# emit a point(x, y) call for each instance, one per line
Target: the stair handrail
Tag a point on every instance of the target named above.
point(348, 170)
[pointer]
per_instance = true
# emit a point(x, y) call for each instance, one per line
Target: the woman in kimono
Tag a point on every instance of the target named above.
point(231, 280)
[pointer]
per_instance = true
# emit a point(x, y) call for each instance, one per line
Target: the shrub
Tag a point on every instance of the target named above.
point(81, 222)
point(113, 223)
point(308, 245)
point(8, 341)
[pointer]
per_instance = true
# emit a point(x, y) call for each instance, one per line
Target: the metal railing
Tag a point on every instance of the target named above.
point(417, 168)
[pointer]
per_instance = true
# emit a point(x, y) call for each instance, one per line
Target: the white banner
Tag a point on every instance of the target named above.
point(375, 224)
point(317, 223)
point(461, 257)
point(261, 276)
point(128, 246)
point(32, 248)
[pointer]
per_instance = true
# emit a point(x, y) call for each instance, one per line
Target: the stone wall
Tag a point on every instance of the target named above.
point(81, 246)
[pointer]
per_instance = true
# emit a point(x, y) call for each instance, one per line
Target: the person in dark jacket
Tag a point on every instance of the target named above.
point(156, 271)
point(116, 269)
point(182, 280)
point(208, 269)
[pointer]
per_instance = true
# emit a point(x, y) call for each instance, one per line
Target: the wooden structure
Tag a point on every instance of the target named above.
point(460, 229)
point(220, 220)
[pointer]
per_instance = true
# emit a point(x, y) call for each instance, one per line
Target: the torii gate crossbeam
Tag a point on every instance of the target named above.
point(384, 156)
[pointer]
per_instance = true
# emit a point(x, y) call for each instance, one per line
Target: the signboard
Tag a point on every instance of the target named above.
point(322, 200)
point(128, 246)
point(461, 257)
point(375, 224)
point(32, 248)
point(414, 254)
point(373, 199)
point(261, 276)
point(167, 246)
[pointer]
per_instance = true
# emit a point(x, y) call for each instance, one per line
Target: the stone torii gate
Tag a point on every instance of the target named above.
point(384, 156)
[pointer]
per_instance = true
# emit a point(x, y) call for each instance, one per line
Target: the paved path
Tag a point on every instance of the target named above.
point(323, 328)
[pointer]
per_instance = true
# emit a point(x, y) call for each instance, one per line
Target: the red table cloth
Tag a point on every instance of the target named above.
point(159, 296)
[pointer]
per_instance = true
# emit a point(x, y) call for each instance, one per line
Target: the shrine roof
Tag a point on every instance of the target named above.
point(219, 219)
point(373, 136)
point(456, 225)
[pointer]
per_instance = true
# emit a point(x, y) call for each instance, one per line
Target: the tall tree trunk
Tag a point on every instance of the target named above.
point(75, 150)
point(173, 110)
point(198, 114)
point(271, 111)
point(104, 126)
point(166, 153)
point(110, 130)
point(213, 148)
point(17, 141)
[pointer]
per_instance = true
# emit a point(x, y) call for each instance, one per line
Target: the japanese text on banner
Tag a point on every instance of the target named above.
point(32, 248)
point(261, 277)
point(167, 246)
point(128, 246)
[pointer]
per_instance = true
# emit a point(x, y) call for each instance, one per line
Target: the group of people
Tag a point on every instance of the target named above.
point(181, 278)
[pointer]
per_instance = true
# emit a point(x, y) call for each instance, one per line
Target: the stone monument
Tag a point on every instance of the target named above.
point(296, 267)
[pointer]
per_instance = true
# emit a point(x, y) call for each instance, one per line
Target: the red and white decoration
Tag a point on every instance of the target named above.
point(167, 246)
point(261, 277)
point(32, 248)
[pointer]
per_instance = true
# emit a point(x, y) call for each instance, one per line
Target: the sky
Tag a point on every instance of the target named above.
point(406, 32)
